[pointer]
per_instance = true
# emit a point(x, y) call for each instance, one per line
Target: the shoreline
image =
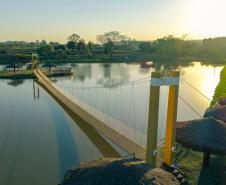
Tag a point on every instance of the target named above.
point(23, 74)
point(9, 59)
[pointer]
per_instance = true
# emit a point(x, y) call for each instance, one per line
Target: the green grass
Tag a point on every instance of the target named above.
point(190, 162)
point(220, 90)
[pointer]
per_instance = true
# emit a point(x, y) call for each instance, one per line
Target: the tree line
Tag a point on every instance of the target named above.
point(112, 44)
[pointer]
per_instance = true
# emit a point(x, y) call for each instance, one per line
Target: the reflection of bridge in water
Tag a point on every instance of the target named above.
point(99, 126)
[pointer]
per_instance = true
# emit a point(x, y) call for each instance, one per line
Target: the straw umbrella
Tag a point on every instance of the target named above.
point(218, 112)
point(14, 66)
point(222, 101)
point(116, 171)
point(206, 135)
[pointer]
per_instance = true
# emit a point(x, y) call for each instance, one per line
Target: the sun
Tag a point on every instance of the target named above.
point(207, 17)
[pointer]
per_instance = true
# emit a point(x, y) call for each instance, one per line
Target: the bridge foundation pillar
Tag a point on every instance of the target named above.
point(171, 120)
point(151, 150)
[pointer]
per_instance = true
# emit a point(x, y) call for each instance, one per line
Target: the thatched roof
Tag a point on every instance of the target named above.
point(222, 101)
point(204, 135)
point(16, 65)
point(110, 171)
point(218, 112)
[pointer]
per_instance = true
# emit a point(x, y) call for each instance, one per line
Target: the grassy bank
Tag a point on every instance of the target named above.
point(220, 90)
point(116, 58)
point(21, 74)
point(190, 162)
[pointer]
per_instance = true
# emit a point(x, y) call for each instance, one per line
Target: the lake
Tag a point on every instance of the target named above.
point(39, 141)
point(129, 103)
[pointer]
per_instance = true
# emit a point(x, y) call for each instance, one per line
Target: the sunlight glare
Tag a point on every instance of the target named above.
point(207, 17)
point(212, 77)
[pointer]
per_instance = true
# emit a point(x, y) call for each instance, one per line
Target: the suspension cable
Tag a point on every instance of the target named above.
point(189, 84)
point(196, 112)
point(138, 81)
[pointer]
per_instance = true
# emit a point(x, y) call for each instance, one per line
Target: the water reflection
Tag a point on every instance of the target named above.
point(81, 72)
point(36, 90)
point(99, 141)
point(15, 82)
point(39, 140)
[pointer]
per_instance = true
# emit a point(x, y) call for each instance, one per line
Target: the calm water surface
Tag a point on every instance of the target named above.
point(39, 141)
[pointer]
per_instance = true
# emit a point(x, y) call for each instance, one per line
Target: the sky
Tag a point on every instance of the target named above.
point(55, 20)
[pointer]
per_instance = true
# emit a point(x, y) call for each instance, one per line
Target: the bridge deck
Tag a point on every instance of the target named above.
point(93, 117)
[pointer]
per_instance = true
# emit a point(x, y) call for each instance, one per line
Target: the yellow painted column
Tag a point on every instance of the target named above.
point(171, 120)
point(153, 119)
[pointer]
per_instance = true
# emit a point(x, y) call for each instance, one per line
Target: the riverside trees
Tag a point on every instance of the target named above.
point(112, 40)
point(116, 46)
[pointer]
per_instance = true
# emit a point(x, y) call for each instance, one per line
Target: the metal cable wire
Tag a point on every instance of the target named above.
point(196, 112)
point(189, 84)
point(138, 81)
point(182, 99)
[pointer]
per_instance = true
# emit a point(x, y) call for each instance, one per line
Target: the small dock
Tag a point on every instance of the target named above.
point(58, 71)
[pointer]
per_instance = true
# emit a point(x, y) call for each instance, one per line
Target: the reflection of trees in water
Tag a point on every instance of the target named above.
point(15, 82)
point(106, 70)
point(172, 65)
point(212, 64)
point(144, 70)
point(113, 74)
point(82, 71)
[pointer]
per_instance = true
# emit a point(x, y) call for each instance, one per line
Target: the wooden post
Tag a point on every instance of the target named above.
point(171, 119)
point(34, 61)
point(153, 119)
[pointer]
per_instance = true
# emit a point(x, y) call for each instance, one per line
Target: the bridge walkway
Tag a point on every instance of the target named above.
point(93, 117)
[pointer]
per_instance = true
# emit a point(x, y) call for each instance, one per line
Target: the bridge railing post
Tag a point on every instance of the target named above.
point(171, 119)
point(151, 150)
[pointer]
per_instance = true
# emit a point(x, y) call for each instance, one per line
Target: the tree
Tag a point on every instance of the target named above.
point(43, 42)
point(89, 48)
point(60, 54)
point(3, 52)
point(214, 47)
point(74, 37)
point(145, 46)
point(60, 47)
point(81, 46)
point(45, 51)
point(108, 48)
point(111, 40)
point(71, 45)
point(126, 44)
point(169, 47)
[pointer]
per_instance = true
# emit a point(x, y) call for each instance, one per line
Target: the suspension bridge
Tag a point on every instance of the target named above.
point(115, 130)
